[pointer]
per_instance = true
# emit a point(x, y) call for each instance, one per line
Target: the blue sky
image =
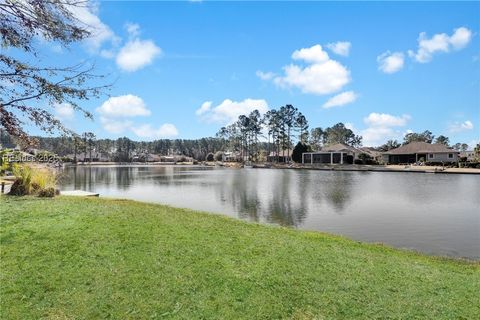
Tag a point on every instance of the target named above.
point(184, 69)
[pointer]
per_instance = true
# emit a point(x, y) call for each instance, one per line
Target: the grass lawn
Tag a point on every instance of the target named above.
point(77, 258)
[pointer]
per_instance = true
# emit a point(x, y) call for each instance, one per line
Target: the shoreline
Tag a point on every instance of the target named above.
point(335, 167)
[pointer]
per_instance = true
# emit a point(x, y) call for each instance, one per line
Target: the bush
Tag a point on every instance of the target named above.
point(182, 159)
point(47, 193)
point(297, 152)
point(365, 158)
point(444, 164)
point(18, 188)
point(358, 161)
point(44, 178)
point(23, 174)
point(219, 156)
point(31, 181)
point(210, 157)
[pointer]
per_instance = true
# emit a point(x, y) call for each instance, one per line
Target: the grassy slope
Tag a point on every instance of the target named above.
point(77, 258)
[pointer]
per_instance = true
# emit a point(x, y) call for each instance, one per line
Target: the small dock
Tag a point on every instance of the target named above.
point(79, 193)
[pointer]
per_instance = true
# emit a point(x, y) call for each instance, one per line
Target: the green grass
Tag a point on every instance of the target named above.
point(77, 258)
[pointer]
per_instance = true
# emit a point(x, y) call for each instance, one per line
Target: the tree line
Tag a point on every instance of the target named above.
point(281, 128)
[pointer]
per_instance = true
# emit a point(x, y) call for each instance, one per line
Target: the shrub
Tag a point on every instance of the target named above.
point(29, 181)
point(365, 158)
point(23, 174)
point(44, 178)
point(35, 187)
point(47, 193)
point(219, 156)
point(210, 157)
point(18, 188)
point(297, 152)
point(358, 161)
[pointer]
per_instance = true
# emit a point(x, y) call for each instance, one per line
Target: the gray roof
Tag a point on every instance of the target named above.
point(421, 147)
point(370, 151)
point(340, 147)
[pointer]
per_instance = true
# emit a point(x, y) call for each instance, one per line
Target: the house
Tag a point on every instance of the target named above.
point(284, 156)
point(231, 156)
point(168, 159)
point(420, 151)
point(334, 154)
point(96, 157)
point(470, 155)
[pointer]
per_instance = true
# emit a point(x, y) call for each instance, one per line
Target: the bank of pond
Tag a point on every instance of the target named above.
point(97, 258)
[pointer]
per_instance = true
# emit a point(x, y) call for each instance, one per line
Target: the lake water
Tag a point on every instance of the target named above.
point(433, 213)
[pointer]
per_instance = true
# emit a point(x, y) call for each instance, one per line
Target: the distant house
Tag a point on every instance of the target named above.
point(153, 157)
point(169, 159)
point(334, 154)
point(470, 155)
point(96, 157)
point(231, 156)
point(282, 157)
point(418, 151)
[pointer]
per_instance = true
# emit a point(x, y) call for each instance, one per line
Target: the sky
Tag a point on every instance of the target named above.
point(185, 69)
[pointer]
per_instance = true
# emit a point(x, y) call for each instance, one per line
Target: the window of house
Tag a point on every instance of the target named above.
point(450, 155)
point(430, 156)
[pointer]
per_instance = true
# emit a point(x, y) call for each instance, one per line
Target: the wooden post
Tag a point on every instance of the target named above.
point(3, 186)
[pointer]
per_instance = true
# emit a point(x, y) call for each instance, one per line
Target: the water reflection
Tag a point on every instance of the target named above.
point(428, 212)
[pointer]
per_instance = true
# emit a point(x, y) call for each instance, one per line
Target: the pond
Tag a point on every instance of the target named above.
point(433, 213)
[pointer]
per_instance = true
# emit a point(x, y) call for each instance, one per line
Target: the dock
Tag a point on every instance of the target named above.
point(79, 193)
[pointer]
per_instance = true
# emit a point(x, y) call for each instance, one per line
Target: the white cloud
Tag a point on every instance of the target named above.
point(460, 38)
point(440, 42)
point(321, 76)
point(123, 106)
point(313, 54)
point(100, 32)
point(382, 127)
point(166, 130)
point(385, 120)
point(115, 126)
point(64, 111)
point(390, 62)
point(229, 111)
point(341, 48)
point(265, 75)
point(136, 54)
point(205, 107)
point(116, 113)
point(461, 126)
point(145, 131)
point(340, 99)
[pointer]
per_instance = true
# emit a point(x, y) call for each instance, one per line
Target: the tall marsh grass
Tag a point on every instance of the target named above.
point(30, 180)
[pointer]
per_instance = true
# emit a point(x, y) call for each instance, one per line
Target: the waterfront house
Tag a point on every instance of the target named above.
point(334, 154)
point(283, 157)
point(420, 152)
